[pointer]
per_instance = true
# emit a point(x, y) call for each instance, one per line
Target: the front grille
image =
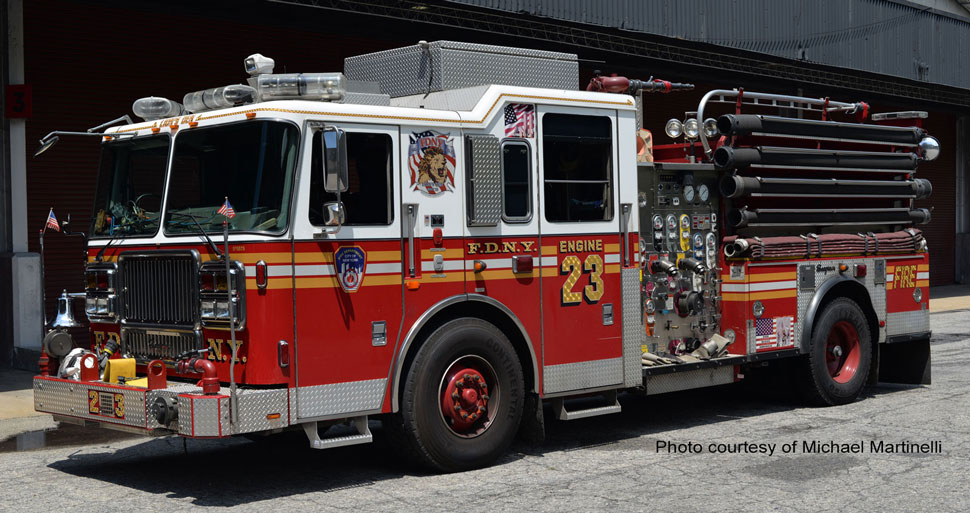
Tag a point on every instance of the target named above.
point(158, 345)
point(160, 289)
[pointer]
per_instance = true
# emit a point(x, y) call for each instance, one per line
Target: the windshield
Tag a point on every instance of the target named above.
point(130, 184)
point(250, 163)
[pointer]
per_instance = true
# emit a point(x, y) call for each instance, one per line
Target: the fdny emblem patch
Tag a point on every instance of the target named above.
point(349, 263)
point(432, 162)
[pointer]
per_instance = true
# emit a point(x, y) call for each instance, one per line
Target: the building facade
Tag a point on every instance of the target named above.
point(71, 65)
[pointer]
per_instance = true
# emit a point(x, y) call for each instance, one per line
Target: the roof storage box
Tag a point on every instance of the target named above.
point(443, 65)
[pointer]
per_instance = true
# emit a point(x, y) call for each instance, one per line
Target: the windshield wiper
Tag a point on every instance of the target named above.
point(201, 231)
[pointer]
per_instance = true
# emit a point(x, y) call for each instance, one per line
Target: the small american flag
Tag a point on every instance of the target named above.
point(520, 120)
point(226, 210)
point(776, 332)
point(52, 222)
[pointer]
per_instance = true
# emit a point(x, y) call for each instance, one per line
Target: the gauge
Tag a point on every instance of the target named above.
point(650, 306)
point(658, 223)
point(703, 192)
point(698, 240)
point(671, 222)
point(685, 221)
point(642, 199)
point(689, 193)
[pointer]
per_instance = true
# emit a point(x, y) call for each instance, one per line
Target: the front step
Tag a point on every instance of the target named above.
point(363, 435)
point(563, 414)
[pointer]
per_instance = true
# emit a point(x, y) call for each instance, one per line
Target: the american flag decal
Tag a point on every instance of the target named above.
point(226, 210)
point(774, 332)
point(52, 222)
point(520, 120)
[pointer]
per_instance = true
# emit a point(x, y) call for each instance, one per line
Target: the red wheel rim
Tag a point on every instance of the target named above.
point(842, 352)
point(468, 395)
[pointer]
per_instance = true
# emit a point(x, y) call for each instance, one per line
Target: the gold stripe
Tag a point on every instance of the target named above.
point(922, 283)
point(448, 253)
point(612, 268)
point(923, 267)
point(744, 296)
point(550, 250)
point(448, 277)
point(636, 247)
point(384, 116)
point(755, 278)
point(889, 285)
point(272, 283)
point(500, 274)
point(612, 248)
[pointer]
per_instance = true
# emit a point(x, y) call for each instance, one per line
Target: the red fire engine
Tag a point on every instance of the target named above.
point(448, 236)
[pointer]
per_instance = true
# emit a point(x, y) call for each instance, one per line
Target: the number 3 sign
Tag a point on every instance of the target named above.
point(19, 104)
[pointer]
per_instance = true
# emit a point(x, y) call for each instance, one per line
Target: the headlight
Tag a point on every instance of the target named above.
point(101, 306)
point(208, 309)
point(90, 306)
point(710, 128)
point(691, 128)
point(674, 128)
point(222, 310)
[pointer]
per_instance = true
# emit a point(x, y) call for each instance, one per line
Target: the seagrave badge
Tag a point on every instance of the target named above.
point(349, 263)
point(431, 161)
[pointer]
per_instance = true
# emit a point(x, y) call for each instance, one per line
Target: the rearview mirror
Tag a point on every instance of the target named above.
point(334, 160)
point(334, 213)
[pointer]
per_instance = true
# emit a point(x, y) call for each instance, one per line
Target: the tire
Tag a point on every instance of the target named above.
point(839, 357)
point(451, 427)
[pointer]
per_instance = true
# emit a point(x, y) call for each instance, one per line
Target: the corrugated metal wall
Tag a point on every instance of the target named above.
point(878, 36)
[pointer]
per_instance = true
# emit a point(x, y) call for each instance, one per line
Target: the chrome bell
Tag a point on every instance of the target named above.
point(65, 312)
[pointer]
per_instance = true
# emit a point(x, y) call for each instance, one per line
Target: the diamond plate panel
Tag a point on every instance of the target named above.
point(582, 375)
point(673, 382)
point(71, 398)
point(340, 398)
point(172, 390)
point(465, 98)
point(204, 415)
point(451, 65)
point(484, 175)
point(634, 333)
point(255, 405)
point(901, 323)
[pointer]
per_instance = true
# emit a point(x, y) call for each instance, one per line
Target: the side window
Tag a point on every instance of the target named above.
point(369, 192)
point(577, 156)
point(516, 179)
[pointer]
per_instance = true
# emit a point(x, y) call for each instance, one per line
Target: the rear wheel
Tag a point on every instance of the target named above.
point(462, 398)
point(839, 356)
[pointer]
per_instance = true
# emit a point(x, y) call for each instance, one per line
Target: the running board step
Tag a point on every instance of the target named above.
point(563, 414)
point(363, 435)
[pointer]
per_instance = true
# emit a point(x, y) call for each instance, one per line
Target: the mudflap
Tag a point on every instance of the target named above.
point(532, 430)
point(906, 362)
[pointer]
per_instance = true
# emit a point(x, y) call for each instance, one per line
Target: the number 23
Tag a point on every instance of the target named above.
point(571, 266)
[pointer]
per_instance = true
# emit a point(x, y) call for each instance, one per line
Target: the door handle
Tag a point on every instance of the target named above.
point(411, 210)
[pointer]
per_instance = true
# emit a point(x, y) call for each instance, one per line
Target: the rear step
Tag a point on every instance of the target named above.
point(562, 413)
point(363, 435)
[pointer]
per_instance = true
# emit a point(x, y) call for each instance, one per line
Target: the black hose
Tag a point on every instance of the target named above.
point(745, 124)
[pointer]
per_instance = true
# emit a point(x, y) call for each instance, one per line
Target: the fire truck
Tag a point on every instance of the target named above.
point(449, 237)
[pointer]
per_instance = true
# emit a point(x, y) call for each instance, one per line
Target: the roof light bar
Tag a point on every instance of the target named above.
point(151, 108)
point(219, 98)
point(303, 86)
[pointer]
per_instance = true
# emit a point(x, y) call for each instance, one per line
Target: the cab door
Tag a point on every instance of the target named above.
point(348, 284)
point(581, 249)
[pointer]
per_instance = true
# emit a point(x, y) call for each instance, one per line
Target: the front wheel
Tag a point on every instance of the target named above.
point(839, 356)
point(463, 396)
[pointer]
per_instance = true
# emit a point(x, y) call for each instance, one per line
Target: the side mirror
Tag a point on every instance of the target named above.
point(334, 213)
point(334, 160)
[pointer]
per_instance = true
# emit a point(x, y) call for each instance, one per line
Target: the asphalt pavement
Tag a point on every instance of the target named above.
point(721, 449)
